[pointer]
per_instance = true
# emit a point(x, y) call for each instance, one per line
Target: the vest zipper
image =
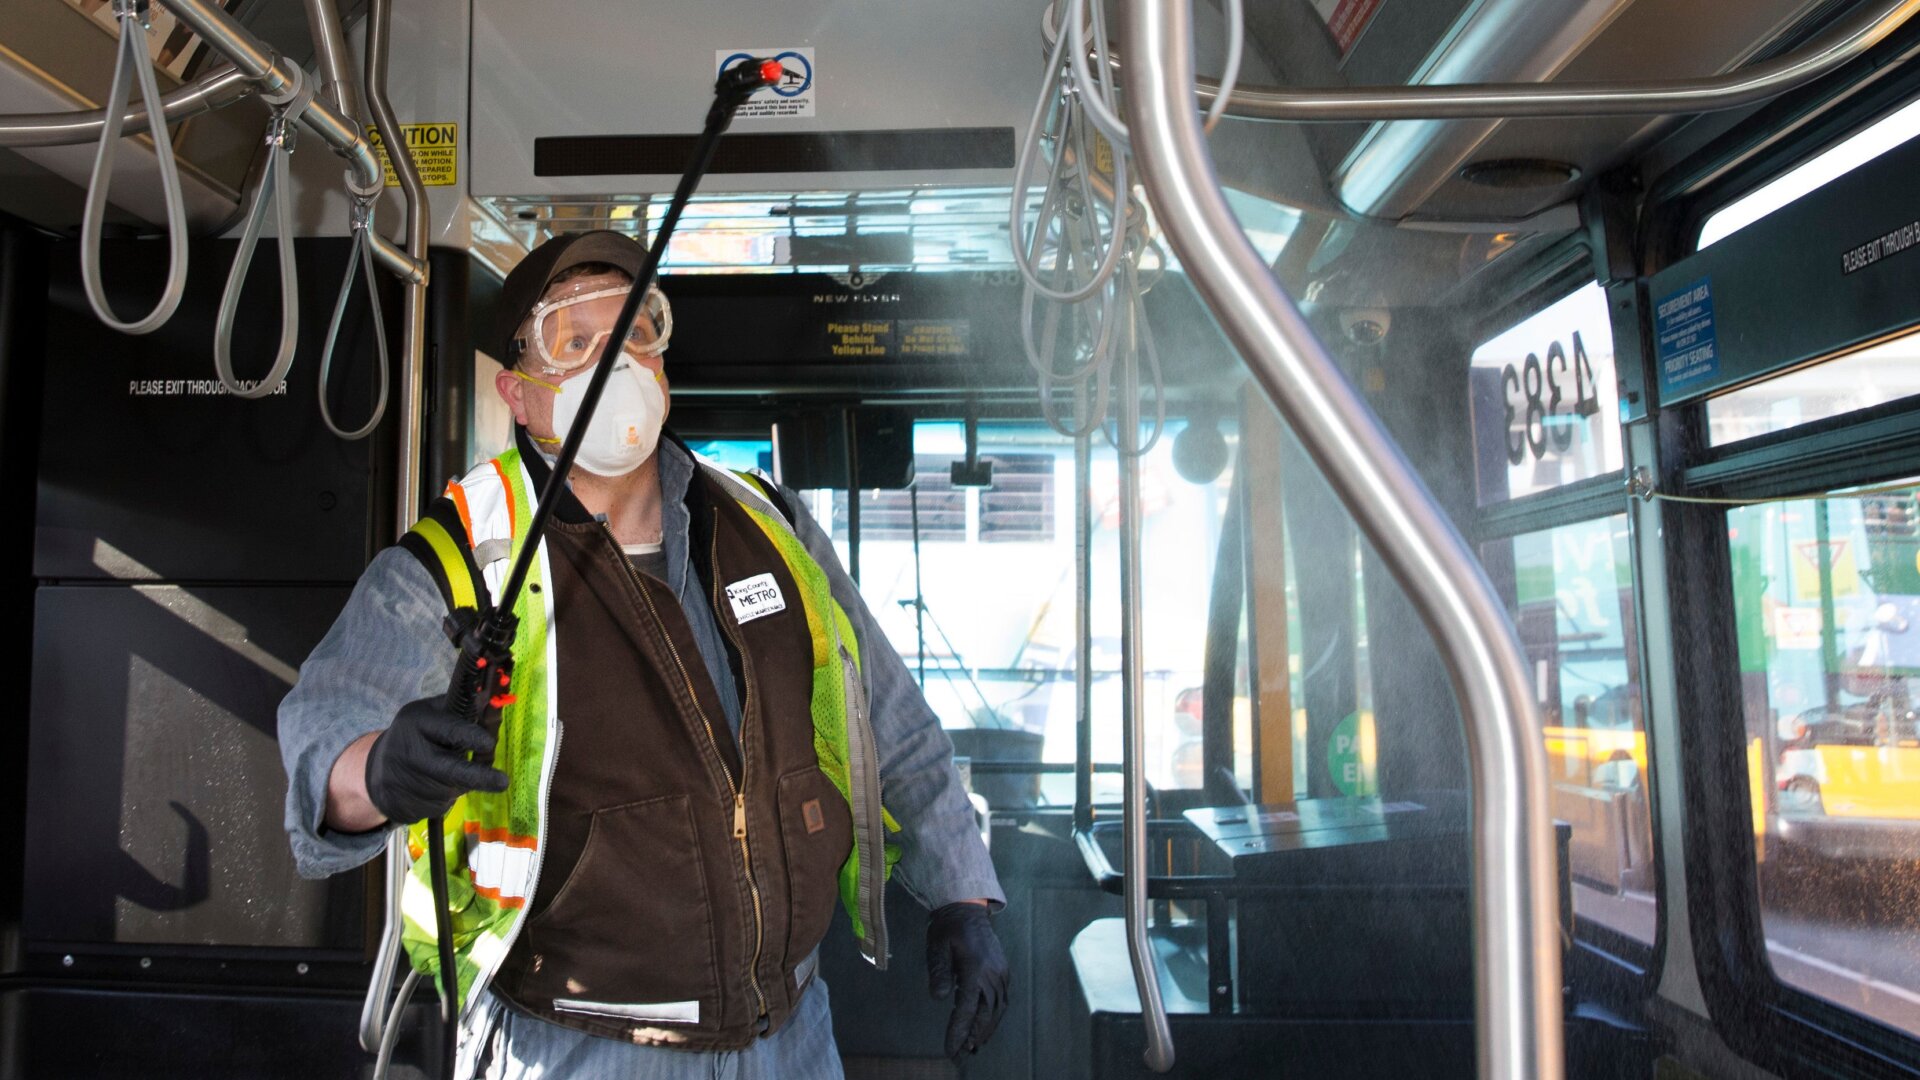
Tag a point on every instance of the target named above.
point(735, 787)
point(740, 797)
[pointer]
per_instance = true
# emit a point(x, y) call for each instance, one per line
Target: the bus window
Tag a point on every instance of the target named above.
point(1571, 595)
point(736, 454)
point(1546, 403)
point(1000, 674)
point(1008, 665)
point(1827, 603)
point(1875, 375)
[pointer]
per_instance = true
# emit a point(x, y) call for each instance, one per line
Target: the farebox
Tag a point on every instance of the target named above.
point(1349, 906)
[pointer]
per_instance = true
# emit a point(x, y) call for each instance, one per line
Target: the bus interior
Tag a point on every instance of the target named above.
point(1408, 510)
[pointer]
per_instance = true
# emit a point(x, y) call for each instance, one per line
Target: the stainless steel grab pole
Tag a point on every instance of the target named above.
point(1133, 828)
point(338, 83)
point(213, 89)
point(1754, 83)
point(1515, 922)
point(1082, 624)
point(413, 338)
point(413, 317)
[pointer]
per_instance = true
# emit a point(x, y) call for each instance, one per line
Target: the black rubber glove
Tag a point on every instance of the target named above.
point(419, 765)
point(964, 960)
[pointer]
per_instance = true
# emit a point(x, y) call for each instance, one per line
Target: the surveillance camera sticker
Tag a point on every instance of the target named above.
point(791, 98)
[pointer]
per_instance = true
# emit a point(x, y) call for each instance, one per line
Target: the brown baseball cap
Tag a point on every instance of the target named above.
point(528, 281)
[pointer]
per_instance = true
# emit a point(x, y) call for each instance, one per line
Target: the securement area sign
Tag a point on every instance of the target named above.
point(435, 149)
point(1683, 329)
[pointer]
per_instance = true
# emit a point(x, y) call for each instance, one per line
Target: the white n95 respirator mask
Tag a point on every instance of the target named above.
point(625, 427)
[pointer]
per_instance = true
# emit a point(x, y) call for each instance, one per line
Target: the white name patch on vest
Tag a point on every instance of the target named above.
point(756, 596)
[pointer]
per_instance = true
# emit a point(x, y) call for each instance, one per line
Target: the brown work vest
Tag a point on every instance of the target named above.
point(668, 911)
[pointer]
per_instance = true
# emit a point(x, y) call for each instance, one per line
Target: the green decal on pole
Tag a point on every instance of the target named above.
point(1350, 756)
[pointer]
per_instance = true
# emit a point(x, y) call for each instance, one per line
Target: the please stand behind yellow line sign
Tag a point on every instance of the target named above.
point(435, 149)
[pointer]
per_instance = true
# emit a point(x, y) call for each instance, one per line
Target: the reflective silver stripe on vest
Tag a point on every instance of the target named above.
point(488, 552)
point(869, 821)
point(653, 1012)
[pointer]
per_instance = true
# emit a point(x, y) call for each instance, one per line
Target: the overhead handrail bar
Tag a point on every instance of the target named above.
point(1516, 933)
point(214, 89)
point(274, 74)
point(1756, 82)
point(338, 84)
point(275, 195)
point(224, 35)
point(132, 62)
point(359, 257)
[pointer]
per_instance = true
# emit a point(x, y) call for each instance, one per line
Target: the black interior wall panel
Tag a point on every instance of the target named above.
point(155, 789)
point(460, 310)
point(149, 471)
point(23, 262)
point(110, 1034)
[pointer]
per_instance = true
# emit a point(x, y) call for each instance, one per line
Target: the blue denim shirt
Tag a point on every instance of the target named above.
point(387, 649)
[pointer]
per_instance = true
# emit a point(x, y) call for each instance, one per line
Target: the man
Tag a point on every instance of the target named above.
point(692, 748)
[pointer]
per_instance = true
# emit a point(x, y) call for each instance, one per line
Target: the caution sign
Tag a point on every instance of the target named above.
point(435, 149)
point(792, 98)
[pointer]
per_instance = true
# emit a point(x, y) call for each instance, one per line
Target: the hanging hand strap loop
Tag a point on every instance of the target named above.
point(360, 258)
point(275, 193)
point(133, 59)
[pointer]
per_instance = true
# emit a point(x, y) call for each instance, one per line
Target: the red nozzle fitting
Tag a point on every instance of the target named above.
point(770, 71)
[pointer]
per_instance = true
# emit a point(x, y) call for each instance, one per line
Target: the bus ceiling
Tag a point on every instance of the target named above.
point(1420, 145)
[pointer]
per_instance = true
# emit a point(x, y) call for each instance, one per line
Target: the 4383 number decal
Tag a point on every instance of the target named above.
point(1534, 393)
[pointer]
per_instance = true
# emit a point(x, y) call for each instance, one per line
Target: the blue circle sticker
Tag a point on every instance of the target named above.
point(794, 82)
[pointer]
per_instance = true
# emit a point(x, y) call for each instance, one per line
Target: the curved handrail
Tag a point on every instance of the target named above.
point(1515, 921)
point(132, 57)
point(407, 497)
point(413, 311)
point(375, 1020)
point(1756, 82)
point(390, 1035)
point(214, 89)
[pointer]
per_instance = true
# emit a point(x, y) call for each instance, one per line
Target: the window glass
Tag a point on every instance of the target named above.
point(1000, 674)
point(1827, 607)
point(736, 454)
point(1546, 404)
point(1871, 376)
point(1842, 158)
point(1571, 595)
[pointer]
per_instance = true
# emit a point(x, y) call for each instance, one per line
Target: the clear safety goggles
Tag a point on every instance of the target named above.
point(568, 332)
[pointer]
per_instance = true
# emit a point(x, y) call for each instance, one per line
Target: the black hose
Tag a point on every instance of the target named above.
point(443, 931)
